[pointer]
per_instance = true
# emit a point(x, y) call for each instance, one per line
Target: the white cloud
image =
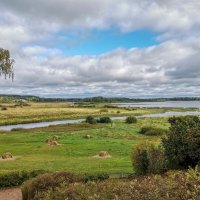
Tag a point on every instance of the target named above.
point(29, 29)
point(158, 70)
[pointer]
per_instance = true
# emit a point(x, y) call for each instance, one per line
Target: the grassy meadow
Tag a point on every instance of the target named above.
point(75, 152)
point(37, 112)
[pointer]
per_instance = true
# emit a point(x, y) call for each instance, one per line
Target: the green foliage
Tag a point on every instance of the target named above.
point(182, 143)
point(6, 63)
point(131, 120)
point(147, 158)
point(47, 181)
point(157, 160)
point(140, 159)
point(96, 177)
point(148, 130)
point(172, 186)
point(104, 120)
point(16, 178)
point(90, 120)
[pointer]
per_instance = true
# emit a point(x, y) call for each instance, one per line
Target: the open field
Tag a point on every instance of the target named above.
point(37, 112)
point(76, 153)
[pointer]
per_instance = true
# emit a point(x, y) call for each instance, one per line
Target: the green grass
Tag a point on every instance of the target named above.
point(76, 153)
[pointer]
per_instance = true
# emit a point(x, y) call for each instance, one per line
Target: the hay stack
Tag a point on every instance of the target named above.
point(87, 136)
point(103, 154)
point(53, 141)
point(7, 155)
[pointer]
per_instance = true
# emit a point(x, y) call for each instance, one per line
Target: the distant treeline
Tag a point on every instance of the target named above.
point(99, 99)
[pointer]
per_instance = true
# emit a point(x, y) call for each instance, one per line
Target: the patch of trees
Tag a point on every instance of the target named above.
point(180, 148)
point(89, 102)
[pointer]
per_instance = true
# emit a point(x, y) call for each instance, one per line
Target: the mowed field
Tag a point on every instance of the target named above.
point(37, 112)
point(75, 152)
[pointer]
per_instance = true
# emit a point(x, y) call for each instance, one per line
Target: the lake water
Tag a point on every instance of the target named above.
point(164, 104)
point(72, 121)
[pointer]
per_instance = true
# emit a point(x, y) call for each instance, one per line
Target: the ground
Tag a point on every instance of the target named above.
point(75, 152)
point(11, 194)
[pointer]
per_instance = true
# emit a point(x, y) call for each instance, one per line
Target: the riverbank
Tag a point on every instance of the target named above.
point(44, 112)
point(72, 121)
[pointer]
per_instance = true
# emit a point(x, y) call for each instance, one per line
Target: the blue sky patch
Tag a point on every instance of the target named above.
point(99, 42)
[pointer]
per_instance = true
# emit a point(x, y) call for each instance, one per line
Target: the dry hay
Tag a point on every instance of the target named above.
point(103, 154)
point(87, 136)
point(53, 141)
point(8, 156)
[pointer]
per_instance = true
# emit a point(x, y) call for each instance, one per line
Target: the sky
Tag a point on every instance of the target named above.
point(111, 48)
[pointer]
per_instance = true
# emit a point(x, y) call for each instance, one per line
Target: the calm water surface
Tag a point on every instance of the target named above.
point(165, 104)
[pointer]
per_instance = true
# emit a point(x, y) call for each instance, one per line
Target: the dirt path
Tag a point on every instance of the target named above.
point(11, 194)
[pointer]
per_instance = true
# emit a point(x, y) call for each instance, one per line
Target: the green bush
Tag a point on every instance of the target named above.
point(47, 181)
point(104, 120)
point(96, 177)
point(151, 131)
point(140, 159)
point(91, 120)
point(147, 159)
point(157, 160)
point(182, 143)
point(131, 120)
point(16, 178)
point(170, 186)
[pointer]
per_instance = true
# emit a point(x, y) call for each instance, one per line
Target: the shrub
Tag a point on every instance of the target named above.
point(47, 181)
point(157, 160)
point(171, 186)
point(131, 120)
point(147, 158)
point(96, 177)
point(182, 143)
point(140, 159)
point(91, 120)
point(148, 130)
point(16, 178)
point(104, 120)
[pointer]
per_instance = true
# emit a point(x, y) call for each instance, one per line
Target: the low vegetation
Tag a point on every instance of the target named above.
point(182, 143)
point(16, 178)
point(131, 120)
point(76, 152)
point(156, 146)
point(104, 120)
point(154, 131)
point(170, 186)
point(16, 113)
point(90, 120)
point(148, 159)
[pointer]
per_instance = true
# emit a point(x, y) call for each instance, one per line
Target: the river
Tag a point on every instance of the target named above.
point(164, 104)
point(72, 121)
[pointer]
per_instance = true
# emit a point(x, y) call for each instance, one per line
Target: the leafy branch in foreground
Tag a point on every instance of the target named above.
point(6, 64)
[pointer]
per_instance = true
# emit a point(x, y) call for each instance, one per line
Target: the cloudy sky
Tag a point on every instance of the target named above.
point(79, 48)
